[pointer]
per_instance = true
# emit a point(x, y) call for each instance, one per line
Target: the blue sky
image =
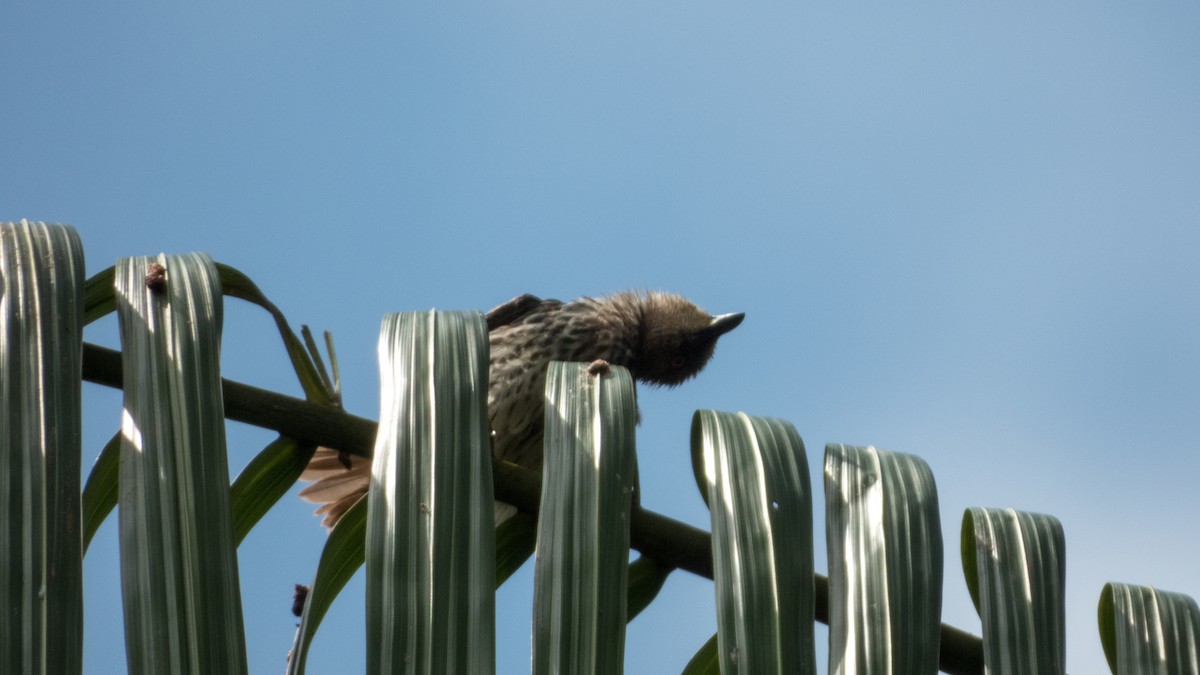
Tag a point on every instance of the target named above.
point(961, 231)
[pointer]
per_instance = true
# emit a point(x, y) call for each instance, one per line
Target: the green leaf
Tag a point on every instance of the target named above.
point(329, 384)
point(705, 661)
point(41, 338)
point(1107, 620)
point(340, 559)
point(760, 501)
point(1018, 559)
point(430, 544)
point(1146, 631)
point(316, 388)
point(100, 492)
point(265, 480)
point(516, 539)
point(700, 464)
point(100, 299)
point(967, 553)
point(646, 579)
point(579, 604)
point(884, 542)
point(179, 575)
point(99, 295)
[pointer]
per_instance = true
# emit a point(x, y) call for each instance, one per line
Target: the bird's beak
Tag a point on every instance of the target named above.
point(721, 325)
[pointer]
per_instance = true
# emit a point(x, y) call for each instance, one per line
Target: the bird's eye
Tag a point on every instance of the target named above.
point(677, 361)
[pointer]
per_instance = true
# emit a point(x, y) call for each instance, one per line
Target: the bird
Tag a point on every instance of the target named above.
point(663, 339)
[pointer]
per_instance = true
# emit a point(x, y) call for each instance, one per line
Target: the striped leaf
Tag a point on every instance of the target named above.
point(885, 562)
point(179, 574)
point(41, 337)
point(579, 606)
point(430, 542)
point(760, 501)
point(1015, 567)
point(1146, 631)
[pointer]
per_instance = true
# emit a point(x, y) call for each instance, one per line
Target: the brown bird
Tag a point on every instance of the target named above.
point(663, 340)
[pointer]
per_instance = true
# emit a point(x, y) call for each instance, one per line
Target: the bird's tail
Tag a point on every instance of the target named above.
point(341, 479)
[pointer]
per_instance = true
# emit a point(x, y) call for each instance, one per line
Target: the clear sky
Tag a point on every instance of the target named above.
point(960, 230)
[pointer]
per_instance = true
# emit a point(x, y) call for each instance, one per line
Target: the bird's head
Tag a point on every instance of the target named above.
point(677, 339)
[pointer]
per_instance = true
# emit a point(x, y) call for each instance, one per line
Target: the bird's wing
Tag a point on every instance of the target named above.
point(515, 310)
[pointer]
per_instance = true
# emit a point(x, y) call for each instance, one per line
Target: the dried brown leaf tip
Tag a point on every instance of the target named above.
point(298, 600)
point(599, 367)
point(156, 278)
